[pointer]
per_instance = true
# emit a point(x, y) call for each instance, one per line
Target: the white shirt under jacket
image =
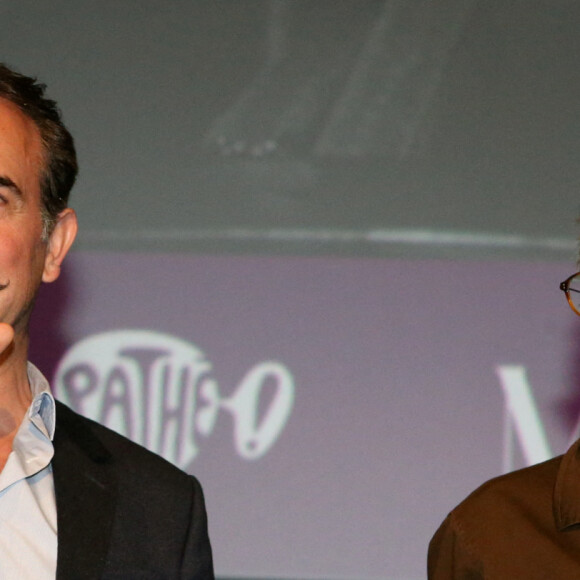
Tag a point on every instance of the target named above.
point(28, 534)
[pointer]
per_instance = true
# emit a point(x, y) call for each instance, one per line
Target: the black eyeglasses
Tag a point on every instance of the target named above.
point(571, 286)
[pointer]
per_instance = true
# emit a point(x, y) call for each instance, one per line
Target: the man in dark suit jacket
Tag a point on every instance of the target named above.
point(76, 499)
point(123, 512)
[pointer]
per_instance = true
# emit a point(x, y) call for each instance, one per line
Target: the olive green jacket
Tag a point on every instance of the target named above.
point(525, 524)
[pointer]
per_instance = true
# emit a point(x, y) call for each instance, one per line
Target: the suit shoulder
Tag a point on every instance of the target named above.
point(520, 500)
point(105, 444)
point(512, 524)
point(524, 487)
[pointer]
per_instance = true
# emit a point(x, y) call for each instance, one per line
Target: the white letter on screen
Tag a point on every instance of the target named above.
point(521, 418)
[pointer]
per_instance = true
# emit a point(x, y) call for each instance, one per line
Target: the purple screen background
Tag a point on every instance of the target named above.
point(398, 410)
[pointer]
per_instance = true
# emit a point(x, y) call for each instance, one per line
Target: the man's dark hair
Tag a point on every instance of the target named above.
point(60, 167)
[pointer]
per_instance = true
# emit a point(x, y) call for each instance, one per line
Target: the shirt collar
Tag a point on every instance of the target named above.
point(42, 410)
point(32, 449)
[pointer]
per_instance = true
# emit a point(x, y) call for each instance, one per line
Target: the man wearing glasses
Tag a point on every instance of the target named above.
point(522, 525)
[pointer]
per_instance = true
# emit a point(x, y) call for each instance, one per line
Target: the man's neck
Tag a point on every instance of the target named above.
point(15, 394)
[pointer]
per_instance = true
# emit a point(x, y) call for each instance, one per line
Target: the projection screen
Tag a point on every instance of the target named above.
point(319, 254)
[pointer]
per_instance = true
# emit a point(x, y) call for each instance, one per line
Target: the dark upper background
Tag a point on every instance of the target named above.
point(430, 129)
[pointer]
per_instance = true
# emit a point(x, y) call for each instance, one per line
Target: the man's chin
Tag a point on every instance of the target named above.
point(6, 341)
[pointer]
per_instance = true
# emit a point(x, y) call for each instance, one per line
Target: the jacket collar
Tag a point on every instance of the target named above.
point(86, 490)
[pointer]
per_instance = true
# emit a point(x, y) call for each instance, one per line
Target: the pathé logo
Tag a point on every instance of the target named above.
point(159, 391)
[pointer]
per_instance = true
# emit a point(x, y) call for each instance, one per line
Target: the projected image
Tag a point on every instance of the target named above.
point(318, 259)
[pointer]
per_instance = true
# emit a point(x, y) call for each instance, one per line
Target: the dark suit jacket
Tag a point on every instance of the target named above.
point(122, 511)
point(525, 524)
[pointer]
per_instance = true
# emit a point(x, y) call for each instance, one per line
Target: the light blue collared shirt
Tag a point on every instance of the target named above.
point(28, 532)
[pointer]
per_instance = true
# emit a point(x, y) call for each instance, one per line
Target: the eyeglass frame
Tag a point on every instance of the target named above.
point(565, 287)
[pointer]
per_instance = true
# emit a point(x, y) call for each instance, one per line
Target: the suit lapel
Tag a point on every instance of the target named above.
point(86, 490)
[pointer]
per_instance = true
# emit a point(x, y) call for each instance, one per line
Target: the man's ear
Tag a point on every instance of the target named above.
point(59, 243)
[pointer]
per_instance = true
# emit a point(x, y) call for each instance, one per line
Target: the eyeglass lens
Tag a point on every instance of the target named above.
point(574, 291)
